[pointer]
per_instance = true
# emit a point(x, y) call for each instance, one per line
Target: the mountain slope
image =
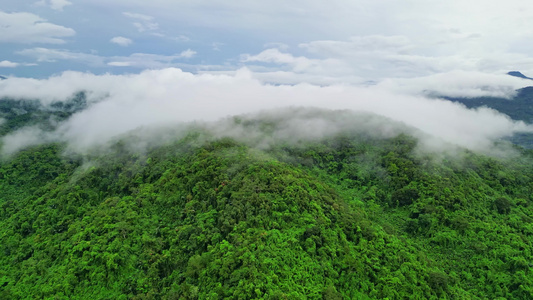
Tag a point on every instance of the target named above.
point(349, 216)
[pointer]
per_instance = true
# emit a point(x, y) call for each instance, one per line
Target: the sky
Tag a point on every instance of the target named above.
point(287, 41)
point(176, 61)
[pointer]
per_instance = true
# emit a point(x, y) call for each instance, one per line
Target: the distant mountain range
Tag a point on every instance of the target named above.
point(520, 107)
point(2, 77)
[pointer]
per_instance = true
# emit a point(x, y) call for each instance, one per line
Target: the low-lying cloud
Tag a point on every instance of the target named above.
point(458, 84)
point(157, 98)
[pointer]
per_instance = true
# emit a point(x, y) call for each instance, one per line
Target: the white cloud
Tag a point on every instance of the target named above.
point(457, 84)
point(374, 40)
point(28, 28)
point(121, 41)
point(142, 27)
point(275, 56)
point(137, 60)
point(53, 55)
point(24, 137)
point(119, 64)
point(338, 19)
point(171, 96)
point(376, 58)
point(150, 61)
point(358, 44)
point(138, 16)
point(55, 4)
point(187, 53)
point(280, 46)
point(299, 64)
point(144, 22)
point(343, 42)
point(181, 38)
point(8, 64)
point(216, 46)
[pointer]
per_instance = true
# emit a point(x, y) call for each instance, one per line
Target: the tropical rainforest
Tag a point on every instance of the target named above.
point(349, 215)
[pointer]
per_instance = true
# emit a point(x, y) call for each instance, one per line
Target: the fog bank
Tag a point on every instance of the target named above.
point(119, 104)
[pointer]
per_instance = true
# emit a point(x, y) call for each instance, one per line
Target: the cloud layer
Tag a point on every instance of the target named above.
point(122, 103)
point(136, 60)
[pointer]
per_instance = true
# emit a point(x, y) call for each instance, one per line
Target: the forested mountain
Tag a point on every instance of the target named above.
point(349, 215)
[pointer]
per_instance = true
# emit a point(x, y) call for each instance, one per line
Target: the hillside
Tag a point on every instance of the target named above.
point(345, 216)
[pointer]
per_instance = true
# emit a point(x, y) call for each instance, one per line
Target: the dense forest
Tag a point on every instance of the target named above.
point(345, 216)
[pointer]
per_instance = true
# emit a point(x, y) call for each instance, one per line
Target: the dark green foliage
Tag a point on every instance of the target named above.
point(438, 281)
point(405, 196)
point(348, 217)
point(503, 205)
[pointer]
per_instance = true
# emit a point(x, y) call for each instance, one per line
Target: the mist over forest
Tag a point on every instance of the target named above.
point(266, 150)
point(173, 185)
point(116, 105)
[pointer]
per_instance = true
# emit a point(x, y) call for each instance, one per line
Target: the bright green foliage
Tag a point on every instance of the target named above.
point(345, 218)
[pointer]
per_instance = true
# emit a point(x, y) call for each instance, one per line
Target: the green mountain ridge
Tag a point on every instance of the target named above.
point(345, 216)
